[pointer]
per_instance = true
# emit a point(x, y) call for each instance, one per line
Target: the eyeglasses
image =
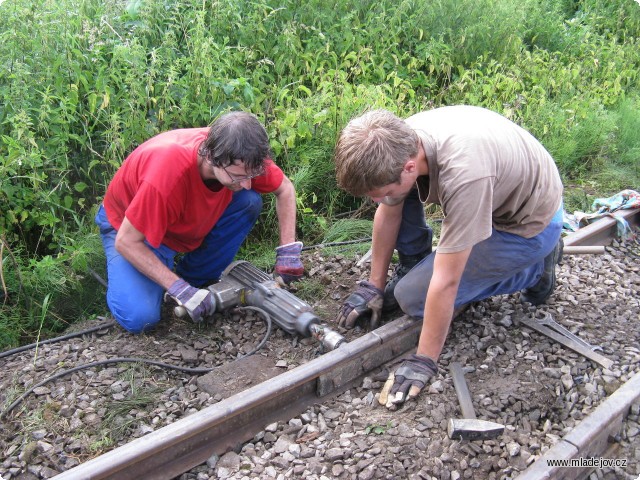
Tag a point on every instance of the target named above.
point(243, 178)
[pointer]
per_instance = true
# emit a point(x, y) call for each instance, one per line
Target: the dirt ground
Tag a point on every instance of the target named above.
point(537, 388)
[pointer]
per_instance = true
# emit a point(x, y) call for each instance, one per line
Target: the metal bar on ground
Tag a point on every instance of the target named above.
point(191, 441)
point(567, 342)
point(462, 390)
point(603, 230)
point(583, 250)
point(548, 321)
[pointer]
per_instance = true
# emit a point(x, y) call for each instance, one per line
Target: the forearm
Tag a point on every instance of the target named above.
point(386, 225)
point(439, 304)
point(286, 212)
point(438, 314)
point(130, 244)
point(145, 261)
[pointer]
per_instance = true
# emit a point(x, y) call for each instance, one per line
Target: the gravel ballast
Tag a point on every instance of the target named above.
point(537, 388)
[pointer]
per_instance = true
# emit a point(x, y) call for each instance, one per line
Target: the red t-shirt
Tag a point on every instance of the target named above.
point(160, 191)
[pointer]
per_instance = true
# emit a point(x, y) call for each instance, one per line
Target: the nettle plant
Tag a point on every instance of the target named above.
point(82, 84)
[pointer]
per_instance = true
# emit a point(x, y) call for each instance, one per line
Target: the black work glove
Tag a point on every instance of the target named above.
point(366, 299)
point(409, 379)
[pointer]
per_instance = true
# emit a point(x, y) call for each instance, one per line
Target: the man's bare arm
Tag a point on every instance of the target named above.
point(130, 244)
point(386, 225)
point(286, 211)
point(441, 296)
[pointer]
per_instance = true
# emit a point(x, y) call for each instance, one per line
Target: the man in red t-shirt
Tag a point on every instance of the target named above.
point(194, 191)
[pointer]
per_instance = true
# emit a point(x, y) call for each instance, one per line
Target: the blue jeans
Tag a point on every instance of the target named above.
point(503, 263)
point(415, 236)
point(135, 300)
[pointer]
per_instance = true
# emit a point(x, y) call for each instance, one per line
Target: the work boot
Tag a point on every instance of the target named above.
point(542, 290)
point(405, 264)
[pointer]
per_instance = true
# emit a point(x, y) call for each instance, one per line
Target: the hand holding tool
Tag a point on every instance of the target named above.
point(289, 267)
point(196, 302)
point(242, 284)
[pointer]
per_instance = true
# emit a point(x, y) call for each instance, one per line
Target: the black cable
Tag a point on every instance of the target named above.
point(102, 326)
point(95, 364)
point(267, 319)
point(99, 279)
point(195, 371)
point(336, 244)
point(112, 323)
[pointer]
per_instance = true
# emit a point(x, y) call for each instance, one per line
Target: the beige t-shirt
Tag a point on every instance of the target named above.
point(485, 171)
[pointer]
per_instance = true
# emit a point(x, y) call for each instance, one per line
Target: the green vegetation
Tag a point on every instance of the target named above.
point(377, 429)
point(118, 419)
point(310, 289)
point(82, 83)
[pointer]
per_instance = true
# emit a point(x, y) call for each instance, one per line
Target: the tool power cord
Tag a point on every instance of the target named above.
point(109, 324)
point(194, 371)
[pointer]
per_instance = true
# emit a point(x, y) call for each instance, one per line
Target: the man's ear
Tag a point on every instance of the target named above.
point(411, 166)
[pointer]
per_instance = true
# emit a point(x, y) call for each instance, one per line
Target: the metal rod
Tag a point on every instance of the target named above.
point(552, 324)
point(462, 391)
point(583, 250)
point(581, 349)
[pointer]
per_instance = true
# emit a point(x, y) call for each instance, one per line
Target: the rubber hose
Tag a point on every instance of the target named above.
point(195, 371)
point(58, 339)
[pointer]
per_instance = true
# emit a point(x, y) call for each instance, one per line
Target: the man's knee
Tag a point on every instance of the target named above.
point(249, 201)
point(410, 299)
point(135, 317)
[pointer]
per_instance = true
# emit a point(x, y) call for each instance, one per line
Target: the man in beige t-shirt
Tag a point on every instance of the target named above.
point(501, 196)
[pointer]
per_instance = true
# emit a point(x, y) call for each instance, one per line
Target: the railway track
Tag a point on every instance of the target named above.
point(190, 441)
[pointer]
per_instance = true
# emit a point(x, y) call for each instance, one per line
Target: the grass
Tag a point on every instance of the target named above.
point(12, 392)
point(117, 422)
point(82, 84)
point(310, 289)
point(142, 392)
point(578, 198)
point(345, 230)
point(621, 169)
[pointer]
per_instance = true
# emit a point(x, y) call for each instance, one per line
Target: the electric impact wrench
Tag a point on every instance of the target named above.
point(242, 284)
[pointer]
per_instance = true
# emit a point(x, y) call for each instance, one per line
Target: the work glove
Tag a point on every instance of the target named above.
point(407, 381)
point(366, 299)
point(198, 303)
point(289, 267)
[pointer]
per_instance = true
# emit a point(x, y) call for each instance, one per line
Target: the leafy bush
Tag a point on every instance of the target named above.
point(82, 84)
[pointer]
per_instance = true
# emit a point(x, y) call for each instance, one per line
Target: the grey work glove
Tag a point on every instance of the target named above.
point(198, 302)
point(366, 299)
point(409, 379)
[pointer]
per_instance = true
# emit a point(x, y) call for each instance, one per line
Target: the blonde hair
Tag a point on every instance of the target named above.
point(372, 151)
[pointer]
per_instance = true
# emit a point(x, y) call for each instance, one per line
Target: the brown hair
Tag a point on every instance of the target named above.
point(372, 150)
point(236, 136)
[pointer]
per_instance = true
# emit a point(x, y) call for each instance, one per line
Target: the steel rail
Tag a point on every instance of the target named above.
point(588, 439)
point(593, 435)
point(189, 442)
point(603, 230)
